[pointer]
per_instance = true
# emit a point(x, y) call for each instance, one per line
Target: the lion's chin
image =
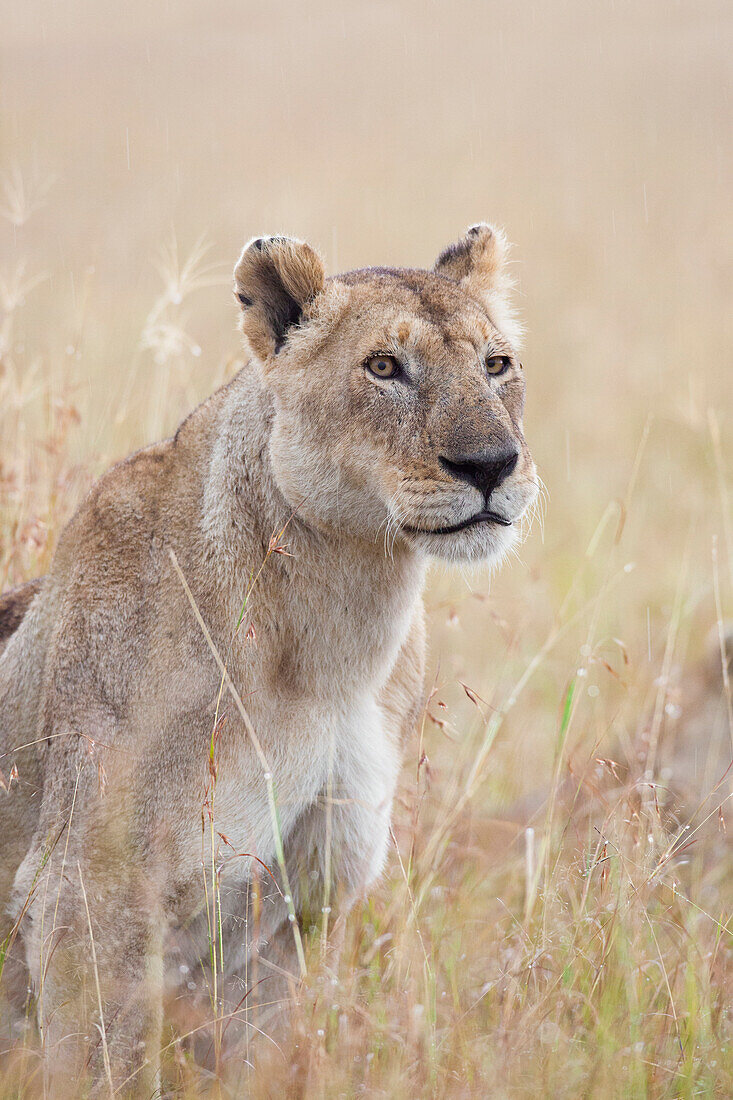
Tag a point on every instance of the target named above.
point(486, 543)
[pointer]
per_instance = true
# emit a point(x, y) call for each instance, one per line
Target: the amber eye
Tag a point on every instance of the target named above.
point(497, 364)
point(383, 366)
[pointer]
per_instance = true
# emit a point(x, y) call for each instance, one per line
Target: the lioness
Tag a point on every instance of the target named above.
point(207, 697)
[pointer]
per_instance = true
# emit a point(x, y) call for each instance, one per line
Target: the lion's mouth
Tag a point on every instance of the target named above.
point(473, 521)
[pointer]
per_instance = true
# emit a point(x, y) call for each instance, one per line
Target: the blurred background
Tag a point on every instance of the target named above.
point(141, 146)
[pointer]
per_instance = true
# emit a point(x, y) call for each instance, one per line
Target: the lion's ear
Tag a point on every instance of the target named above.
point(478, 261)
point(274, 281)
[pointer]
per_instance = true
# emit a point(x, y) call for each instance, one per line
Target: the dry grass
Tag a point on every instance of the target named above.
point(556, 917)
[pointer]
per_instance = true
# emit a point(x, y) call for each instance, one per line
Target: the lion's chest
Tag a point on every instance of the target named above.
point(325, 661)
point(304, 750)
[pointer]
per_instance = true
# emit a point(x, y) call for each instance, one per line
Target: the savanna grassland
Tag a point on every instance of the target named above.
point(557, 914)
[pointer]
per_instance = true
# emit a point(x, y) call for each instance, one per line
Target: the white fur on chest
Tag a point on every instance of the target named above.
point(346, 751)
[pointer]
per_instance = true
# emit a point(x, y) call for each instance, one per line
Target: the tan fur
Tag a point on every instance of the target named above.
point(13, 606)
point(328, 486)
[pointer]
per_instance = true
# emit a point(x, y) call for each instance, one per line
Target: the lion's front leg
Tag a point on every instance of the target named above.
point(338, 846)
point(334, 852)
point(94, 950)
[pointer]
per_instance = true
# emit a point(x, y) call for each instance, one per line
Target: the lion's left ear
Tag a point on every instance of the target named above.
point(478, 261)
point(275, 280)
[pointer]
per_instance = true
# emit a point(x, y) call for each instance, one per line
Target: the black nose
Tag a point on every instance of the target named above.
point(483, 469)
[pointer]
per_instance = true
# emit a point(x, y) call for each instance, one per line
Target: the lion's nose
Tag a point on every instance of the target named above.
point(485, 470)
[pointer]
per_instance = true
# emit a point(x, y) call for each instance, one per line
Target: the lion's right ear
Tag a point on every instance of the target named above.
point(275, 280)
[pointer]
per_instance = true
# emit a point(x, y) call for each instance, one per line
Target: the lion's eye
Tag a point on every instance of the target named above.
point(383, 366)
point(497, 364)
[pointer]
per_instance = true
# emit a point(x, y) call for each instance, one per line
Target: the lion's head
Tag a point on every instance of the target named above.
point(398, 394)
